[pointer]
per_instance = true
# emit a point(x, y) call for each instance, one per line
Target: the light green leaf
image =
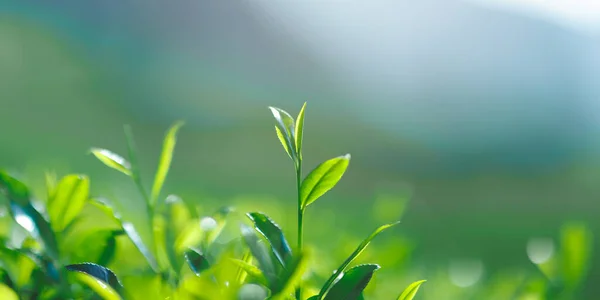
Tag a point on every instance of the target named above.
point(299, 131)
point(68, 200)
point(101, 288)
point(274, 235)
point(165, 161)
point(7, 293)
point(351, 258)
point(410, 292)
point(112, 160)
point(283, 141)
point(102, 280)
point(251, 270)
point(252, 292)
point(323, 178)
point(291, 277)
point(576, 249)
point(285, 125)
point(352, 283)
point(260, 252)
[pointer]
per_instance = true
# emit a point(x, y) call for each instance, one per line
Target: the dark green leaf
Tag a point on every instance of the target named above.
point(97, 271)
point(352, 283)
point(110, 248)
point(299, 131)
point(26, 215)
point(273, 234)
point(352, 257)
point(67, 201)
point(165, 160)
point(196, 261)
point(323, 178)
point(112, 160)
point(291, 277)
point(410, 292)
point(285, 126)
point(260, 252)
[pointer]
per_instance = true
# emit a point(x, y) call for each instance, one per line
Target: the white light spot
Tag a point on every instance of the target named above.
point(465, 273)
point(540, 250)
point(25, 222)
point(208, 224)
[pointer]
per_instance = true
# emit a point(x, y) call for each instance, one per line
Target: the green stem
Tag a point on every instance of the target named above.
point(300, 216)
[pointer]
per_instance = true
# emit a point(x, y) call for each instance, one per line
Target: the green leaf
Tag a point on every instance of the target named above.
point(135, 170)
point(26, 215)
point(251, 270)
point(352, 283)
point(97, 271)
point(110, 247)
point(68, 200)
point(7, 293)
point(252, 292)
point(130, 230)
point(576, 249)
point(274, 235)
point(112, 160)
point(352, 257)
point(260, 252)
point(291, 277)
point(196, 261)
point(165, 161)
point(410, 292)
point(241, 273)
point(283, 141)
point(299, 131)
point(99, 286)
point(323, 178)
point(285, 125)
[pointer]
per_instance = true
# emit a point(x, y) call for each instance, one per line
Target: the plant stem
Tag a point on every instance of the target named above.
point(300, 216)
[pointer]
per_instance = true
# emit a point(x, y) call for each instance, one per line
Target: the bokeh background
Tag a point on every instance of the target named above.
point(475, 122)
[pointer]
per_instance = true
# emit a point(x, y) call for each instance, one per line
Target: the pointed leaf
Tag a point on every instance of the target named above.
point(242, 274)
point(274, 235)
point(352, 283)
point(291, 277)
point(112, 160)
point(68, 200)
point(196, 261)
point(285, 124)
point(352, 257)
point(251, 271)
point(165, 160)
point(97, 271)
point(299, 131)
point(260, 252)
point(26, 215)
point(283, 141)
point(410, 292)
point(322, 179)
point(99, 286)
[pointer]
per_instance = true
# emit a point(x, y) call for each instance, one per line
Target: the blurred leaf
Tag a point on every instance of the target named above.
point(251, 271)
point(260, 252)
point(165, 161)
point(112, 160)
point(6, 293)
point(130, 231)
point(110, 247)
point(410, 292)
point(252, 292)
point(352, 283)
point(323, 178)
point(242, 273)
point(299, 130)
point(98, 286)
point(196, 261)
point(285, 126)
point(68, 200)
point(221, 220)
point(576, 244)
point(135, 169)
point(291, 277)
point(160, 247)
point(273, 234)
point(97, 271)
point(26, 215)
point(177, 216)
point(50, 184)
point(190, 236)
point(147, 286)
point(351, 258)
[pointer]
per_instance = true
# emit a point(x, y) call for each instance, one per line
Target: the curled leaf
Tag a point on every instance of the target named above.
point(274, 235)
point(410, 292)
point(112, 160)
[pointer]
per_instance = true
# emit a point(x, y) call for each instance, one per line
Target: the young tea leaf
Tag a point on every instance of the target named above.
point(352, 283)
point(351, 258)
point(291, 277)
point(576, 249)
point(251, 271)
point(323, 178)
point(410, 292)
point(299, 131)
point(196, 261)
point(260, 252)
point(285, 125)
point(165, 161)
point(112, 160)
point(97, 271)
point(68, 200)
point(283, 141)
point(274, 235)
point(99, 286)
